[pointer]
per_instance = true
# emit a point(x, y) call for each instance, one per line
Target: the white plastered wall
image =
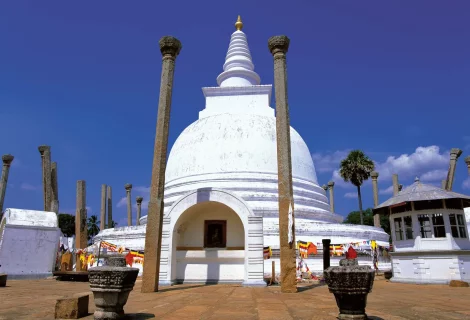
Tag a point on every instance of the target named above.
point(28, 243)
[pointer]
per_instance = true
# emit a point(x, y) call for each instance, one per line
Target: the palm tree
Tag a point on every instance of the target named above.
point(93, 228)
point(356, 168)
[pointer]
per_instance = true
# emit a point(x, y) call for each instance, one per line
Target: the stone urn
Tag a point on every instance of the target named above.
point(350, 283)
point(111, 285)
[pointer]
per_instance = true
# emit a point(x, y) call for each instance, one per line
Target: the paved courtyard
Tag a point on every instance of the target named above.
point(28, 299)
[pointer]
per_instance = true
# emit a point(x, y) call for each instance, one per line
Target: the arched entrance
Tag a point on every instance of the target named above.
point(191, 252)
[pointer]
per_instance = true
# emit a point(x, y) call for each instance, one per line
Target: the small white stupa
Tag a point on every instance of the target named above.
point(221, 191)
point(429, 234)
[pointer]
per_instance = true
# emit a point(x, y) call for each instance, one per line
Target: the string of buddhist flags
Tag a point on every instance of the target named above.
point(132, 256)
point(306, 248)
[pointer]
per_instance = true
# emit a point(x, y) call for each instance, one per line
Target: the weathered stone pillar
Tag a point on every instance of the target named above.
point(331, 185)
point(375, 189)
point(278, 45)
point(128, 188)
point(45, 152)
point(170, 48)
point(7, 160)
point(454, 156)
point(139, 209)
point(395, 184)
point(467, 161)
point(103, 208)
point(326, 253)
point(81, 232)
point(443, 184)
point(109, 195)
point(55, 188)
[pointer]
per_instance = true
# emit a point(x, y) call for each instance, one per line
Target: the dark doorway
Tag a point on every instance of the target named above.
point(215, 233)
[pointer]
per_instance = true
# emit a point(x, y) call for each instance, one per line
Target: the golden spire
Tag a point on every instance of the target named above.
point(239, 23)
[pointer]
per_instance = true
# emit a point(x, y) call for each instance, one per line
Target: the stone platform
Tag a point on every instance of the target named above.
point(35, 299)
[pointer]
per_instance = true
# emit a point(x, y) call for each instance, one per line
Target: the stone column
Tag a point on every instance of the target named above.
point(128, 188)
point(454, 156)
point(7, 160)
point(395, 184)
point(331, 185)
point(278, 45)
point(55, 188)
point(109, 195)
point(375, 188)
point(170, 48)
point(326, 253)
point(443, 184)
point(103, 208)
point(45, 152)
point(81, 232)
point(139, 208)
point(467, 161)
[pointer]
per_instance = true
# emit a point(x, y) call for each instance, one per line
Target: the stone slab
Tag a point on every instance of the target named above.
point(73, 307)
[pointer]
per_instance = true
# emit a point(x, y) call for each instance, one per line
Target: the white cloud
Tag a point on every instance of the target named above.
point(389, 190)
point(350, 195)
point(466, 183)
point(428, 163)
point(29, 187)
point(328, 162)
point(434, 175)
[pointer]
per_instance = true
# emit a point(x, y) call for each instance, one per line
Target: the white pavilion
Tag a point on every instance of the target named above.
point(429, 234)
point(221, 191)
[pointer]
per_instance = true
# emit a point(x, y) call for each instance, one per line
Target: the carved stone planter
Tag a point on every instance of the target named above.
point(350, 283)
point(111, 286)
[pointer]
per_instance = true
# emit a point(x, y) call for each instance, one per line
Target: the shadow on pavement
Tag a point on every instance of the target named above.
point(139, 316)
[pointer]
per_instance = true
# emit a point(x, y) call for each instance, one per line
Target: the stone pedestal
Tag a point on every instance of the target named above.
point(170, 48)
point(350, 284)
point(111, 286)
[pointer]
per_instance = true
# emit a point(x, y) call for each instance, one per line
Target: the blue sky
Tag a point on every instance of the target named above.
point(388, 77)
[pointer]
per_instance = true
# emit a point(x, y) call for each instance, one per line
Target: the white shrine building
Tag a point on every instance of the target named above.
point(221, 191)
point(429, 234)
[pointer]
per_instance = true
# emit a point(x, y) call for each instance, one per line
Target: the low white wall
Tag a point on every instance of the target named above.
point(431, 267)
point(28, 243)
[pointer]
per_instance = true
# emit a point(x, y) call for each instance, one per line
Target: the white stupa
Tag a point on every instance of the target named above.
point(222, 175)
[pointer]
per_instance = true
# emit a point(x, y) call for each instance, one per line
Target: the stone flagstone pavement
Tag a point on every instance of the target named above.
point(35, 299)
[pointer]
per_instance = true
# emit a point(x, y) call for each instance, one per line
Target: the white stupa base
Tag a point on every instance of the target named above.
point(431, 267)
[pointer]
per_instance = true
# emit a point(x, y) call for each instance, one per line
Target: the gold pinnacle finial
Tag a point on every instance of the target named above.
point(239, 23)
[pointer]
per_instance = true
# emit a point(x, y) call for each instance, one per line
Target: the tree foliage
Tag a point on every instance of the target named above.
point(356, 168)
point(67, 224)
point(355, 218)
point(92, 225)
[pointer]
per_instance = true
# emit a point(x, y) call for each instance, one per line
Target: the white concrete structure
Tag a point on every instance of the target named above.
point(429, 233)
point(29, 242)
point(467, 217)
point(223, 167)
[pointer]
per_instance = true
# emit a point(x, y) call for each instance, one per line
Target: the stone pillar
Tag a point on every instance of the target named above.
point(103, 208)
point(55, 188)
point(395, 184)
point(170, 48)
point(331, 185)
point(7, 160)
point(81, 232)
point(128, 188)
point(454, 156)
point(326, 253)
point(443, 184)
point(467, 161)
point(45, 152)
point(278, 45)
point(109, 195)
point(139, 209)
point(375, 189)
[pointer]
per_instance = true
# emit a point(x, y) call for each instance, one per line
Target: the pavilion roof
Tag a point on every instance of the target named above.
point(421, 192)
